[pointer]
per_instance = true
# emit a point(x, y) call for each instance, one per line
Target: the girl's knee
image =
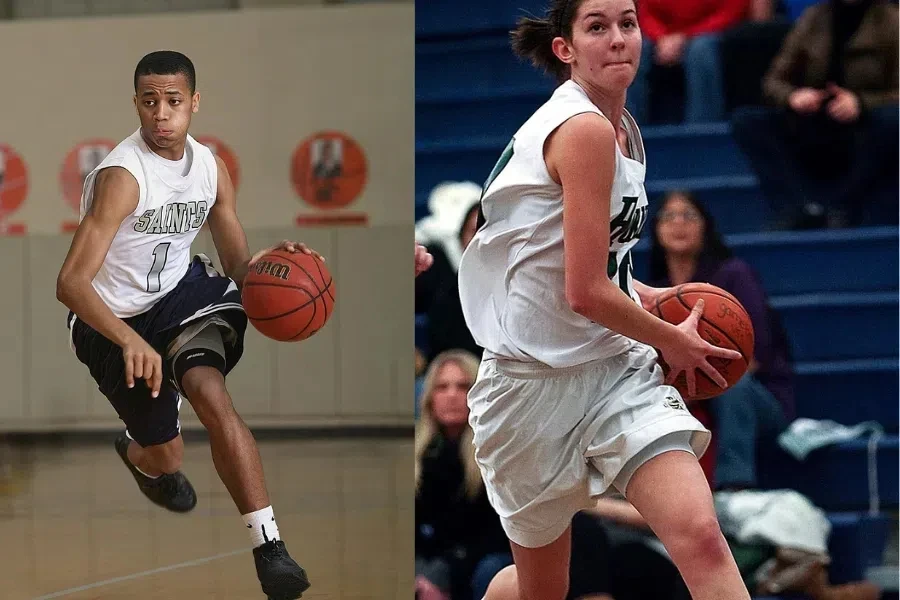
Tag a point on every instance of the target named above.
point(701, 538)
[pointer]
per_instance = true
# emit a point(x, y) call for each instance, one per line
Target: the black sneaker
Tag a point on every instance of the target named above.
point(281, 577)
point(172, 491)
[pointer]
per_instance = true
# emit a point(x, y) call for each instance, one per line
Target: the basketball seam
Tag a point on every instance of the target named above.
point(311, 319)
point(322, 275)
point(286, 256)
point(317, 262)
point(713, 325)
point(308, 323)
point(311, 300)
point(709, 292)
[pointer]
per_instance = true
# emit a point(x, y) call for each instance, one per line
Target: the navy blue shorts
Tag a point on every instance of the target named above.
point(200, 293)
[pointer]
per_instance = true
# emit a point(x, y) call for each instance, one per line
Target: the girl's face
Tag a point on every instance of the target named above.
point(680, 227)
point(605, 48)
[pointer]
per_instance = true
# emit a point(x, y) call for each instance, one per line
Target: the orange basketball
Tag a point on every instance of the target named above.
point(724, 323)
point(288, 296)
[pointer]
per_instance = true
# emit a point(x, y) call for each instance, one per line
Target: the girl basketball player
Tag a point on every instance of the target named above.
point(570, 401)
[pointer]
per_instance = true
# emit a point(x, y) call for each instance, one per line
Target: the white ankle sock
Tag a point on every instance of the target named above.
point(261, 524)
point(144, 474)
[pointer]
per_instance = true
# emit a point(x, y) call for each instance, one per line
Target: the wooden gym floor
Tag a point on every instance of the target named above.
point(73, 524)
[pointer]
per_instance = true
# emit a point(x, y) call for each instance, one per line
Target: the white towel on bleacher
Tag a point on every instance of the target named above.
point(782, 518)
point(806, 435)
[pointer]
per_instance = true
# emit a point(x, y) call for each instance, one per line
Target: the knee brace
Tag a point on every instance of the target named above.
point(205, 349)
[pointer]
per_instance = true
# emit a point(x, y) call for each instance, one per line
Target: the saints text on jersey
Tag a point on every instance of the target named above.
point(177, 217)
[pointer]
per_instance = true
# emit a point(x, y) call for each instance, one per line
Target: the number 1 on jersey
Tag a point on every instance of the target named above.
point(160, 255)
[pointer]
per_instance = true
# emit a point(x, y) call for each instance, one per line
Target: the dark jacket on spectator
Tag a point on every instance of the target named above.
point(867, 64)
point(448, 523)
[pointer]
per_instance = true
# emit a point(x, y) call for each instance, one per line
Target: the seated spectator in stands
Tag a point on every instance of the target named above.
point(641, 569)
point(458, 535)
point(685, 32)
point(826, 153)
point(446, 234)
point(747, 51)
point(686, 247)
point(440, 234)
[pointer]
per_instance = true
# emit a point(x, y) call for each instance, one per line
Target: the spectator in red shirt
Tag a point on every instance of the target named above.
point(686, 32)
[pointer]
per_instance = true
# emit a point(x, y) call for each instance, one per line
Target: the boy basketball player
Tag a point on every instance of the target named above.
point(143, 309)
point(570, 400)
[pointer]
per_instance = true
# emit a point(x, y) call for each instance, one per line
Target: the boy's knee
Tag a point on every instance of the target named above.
point(205, 389)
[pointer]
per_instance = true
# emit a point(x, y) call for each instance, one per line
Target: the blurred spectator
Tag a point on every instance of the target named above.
point(747, 51)
point(826, 154)
point(641, 567)
point(590, 570)
point(642, 570)
point(441, 234)
point(686, 33)
point(687, 248)
point(446, 233)
point(460, 544)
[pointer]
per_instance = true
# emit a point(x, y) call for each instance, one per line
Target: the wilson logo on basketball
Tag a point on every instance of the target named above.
point(277, 270)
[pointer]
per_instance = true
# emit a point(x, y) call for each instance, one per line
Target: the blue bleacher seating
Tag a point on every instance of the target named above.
point(452, 17)
point(475, 68)
point(836, 291)
point(840, 326)
point(806, 262)
point(677, 156)
point(849, 392)
point(856, 544)
point(835, 477)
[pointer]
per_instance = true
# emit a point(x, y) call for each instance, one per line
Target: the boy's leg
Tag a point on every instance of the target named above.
point(198, 368)
point(152, 447)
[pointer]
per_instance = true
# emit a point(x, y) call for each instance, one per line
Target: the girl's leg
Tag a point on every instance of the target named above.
point(672, 494)
point(539, 573)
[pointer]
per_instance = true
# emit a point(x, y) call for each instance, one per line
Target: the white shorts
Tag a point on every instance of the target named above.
point(548, 440)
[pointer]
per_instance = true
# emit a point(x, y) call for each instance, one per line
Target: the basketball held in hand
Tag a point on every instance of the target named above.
point(724, 323)
point(288, 296)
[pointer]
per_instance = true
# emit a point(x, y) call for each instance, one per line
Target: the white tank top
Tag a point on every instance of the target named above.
point(512, 274)
point(152, 249)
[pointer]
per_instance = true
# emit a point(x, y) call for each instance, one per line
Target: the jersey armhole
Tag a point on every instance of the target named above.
point(133, 165)
point(214, 176)
point(88, 190)
point(550, 128)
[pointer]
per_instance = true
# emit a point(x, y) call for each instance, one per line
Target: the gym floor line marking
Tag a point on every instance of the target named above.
point(105, 582)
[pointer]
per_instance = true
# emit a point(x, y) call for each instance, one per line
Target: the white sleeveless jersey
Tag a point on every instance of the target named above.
point(512, 274)
point(152, 248)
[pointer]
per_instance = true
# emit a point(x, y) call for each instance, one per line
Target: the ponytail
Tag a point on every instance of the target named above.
point(532, 40)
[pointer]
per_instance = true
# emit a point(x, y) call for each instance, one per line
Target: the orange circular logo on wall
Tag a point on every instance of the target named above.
point(78, 164)
point(222, 150)
point(13, 181)
point(329, 170)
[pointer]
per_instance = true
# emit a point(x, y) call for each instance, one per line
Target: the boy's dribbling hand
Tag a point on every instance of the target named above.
point(287, 246)
point(689, 352)
point(142, 362)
